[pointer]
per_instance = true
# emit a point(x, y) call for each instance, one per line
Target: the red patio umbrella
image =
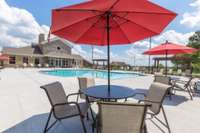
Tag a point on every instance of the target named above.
point(4, 57)
point(169, 48)
point(110, 22)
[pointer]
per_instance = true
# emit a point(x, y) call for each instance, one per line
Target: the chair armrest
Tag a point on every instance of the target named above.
point(145, 100)
point(137, 94)
point(59, 104)
point(140, 94)
point(180, 81)
point(69, 103)
point(73, 94)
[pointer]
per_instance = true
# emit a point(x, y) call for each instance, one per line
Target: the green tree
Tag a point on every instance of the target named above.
point(194, 42)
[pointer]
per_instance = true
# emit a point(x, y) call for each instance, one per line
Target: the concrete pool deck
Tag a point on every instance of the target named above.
point(24, 106)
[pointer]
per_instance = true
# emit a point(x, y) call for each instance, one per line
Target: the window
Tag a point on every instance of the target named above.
point(12, 60)
point(58, 48)
point(37, 61)
point(51, 62)
point(25, 60)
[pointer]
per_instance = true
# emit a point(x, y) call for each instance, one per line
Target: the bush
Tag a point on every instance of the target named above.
point(196, 67)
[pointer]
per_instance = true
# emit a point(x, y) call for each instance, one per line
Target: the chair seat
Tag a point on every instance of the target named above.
point(179, 86)
point(92, 99)
point(70, 110)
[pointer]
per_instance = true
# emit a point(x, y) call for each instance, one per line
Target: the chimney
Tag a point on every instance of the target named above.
point(41, 38)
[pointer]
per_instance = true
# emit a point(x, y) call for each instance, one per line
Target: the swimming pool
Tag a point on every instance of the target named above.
point(90, 73)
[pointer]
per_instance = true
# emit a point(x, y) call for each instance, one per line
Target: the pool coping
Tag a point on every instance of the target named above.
point(115, 71)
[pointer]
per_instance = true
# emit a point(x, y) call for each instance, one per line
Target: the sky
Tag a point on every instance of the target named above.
point(22, 20)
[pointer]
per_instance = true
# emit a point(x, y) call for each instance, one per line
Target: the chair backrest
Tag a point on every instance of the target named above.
point(121, 117)
point(85, 83)
point(188, 72)
point(189, 82)
point(55, 93)
point(162, 79)
point(157, 93)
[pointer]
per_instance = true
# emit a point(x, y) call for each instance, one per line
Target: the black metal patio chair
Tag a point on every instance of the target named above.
point(155, 96)
point(61, 107)
point(164, 79)
point(181, 85)
point(83, 84)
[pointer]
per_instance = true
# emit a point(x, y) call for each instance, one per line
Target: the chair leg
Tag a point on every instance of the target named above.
point(165, 117)
point(87, 116)
point(47, 124)
point(145, 129)
point(83, 124)
point(92, 114)
point(170, 94)
point(77, 98)
point(94, 125)
point(189, 92)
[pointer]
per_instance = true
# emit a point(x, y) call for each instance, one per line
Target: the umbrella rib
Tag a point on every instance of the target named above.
point(103, 38)
point(113, 4)
point(77, 22)
point(122, 31)
point(78, 10)
point(89, 28)
point(137, 24)
point(163, 13)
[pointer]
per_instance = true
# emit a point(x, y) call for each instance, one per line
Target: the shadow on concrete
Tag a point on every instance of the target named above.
point(36, 124)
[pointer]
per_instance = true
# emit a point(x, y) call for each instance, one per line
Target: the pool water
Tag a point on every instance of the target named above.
point(91, 73)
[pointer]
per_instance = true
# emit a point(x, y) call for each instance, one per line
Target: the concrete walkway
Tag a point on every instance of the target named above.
point(24, 106)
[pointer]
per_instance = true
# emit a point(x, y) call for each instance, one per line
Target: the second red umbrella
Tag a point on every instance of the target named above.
point(169, 48)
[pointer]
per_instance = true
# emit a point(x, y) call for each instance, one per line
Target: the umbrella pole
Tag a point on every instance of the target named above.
point(108, 48)
point(166, 64)
point(149, 56)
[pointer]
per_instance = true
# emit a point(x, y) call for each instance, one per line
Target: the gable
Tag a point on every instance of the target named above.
point(56, 46)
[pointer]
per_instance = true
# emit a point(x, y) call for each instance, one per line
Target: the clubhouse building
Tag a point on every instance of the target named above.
point(56, 53)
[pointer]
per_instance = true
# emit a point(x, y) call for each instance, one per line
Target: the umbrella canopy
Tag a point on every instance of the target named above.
point(169, 48)
point(110, 22)
point(129, 21)
point(4, 57)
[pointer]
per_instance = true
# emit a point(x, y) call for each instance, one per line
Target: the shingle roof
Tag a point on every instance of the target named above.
point(35, 51)
point(32, 50)
point(68, 43)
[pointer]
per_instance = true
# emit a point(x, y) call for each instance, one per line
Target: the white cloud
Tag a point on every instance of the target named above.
point(18, 26)
point(77, 49)
point(135, 52)
point(98, 51)
point(173, 36)
point(192, 19)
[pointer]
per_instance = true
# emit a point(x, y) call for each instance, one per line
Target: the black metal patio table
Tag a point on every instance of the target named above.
point(116, 92)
